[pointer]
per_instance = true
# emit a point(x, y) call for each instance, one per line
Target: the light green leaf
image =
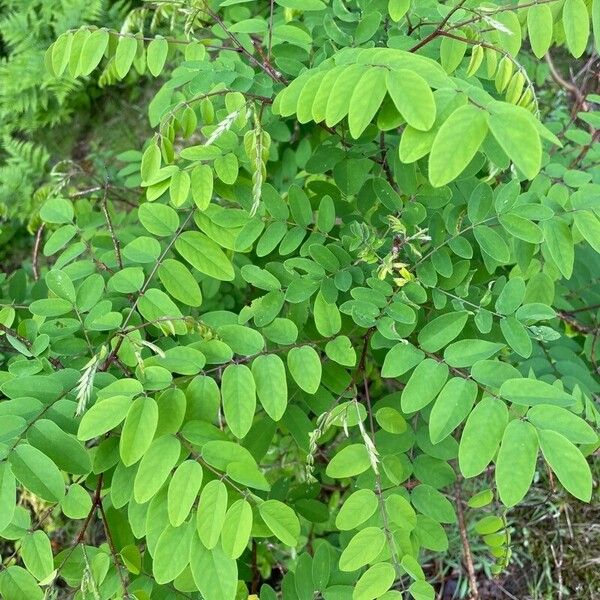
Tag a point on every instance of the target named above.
point(481, 436)
point(155, 467)
point(205, 255)
point(568, 463)
point(37, 473)
point(363, 106)
point(516, 461)
point(138, 430)
point(442, 330)
point(305, 367)
point(374, 582)
point(451, 407)
point(156, 55)
point(36, 553)
point(183, 490)
point(236, 530)
point(271, 385)
point(456, 143)
point(576, 23)
point(357, 508)
point(529, 392)
point(103, 416)
point(348, 462)
point(513, 129)
point(214, 573)
point(362, 549)
point(172, 553)
point(281, 520)
point(211, 512)
point(400, 359)
point(413, 98)
point(238, 391)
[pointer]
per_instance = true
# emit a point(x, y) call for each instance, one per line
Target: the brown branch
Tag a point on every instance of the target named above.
point(465, 543)
point(434, 34)
point(111, 546)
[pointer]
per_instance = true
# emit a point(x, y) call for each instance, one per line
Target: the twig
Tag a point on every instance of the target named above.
point(111, 546)
point(465, 543)
point(36, 251)
point(117, 246)
point(439, 28)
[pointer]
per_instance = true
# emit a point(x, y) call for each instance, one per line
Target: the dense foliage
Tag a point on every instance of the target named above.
point(34, 104)
point(352, 301)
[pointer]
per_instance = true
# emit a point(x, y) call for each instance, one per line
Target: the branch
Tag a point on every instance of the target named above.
point(465, 543)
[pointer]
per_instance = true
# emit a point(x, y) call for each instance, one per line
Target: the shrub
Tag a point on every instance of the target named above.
point(359, 274)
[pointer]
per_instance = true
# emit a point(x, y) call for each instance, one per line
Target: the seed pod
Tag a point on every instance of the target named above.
point(504, 73)
point(515, 87)
point(491, 61)
point(476, 60)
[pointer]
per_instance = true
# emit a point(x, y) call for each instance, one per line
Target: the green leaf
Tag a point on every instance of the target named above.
point(516, 336)
point(374, 582)
point(400, 359)
point(449, 157)
point(363, 106)
point(451, 407)
point(172, 553)
point(179, 188)
point(559, 242)
point(466, 353)
point(155, 467)
point(183, 490)
point(93, 51)
point(239, 398)
point(515, 465)
point(281, 520)
point(328, 320)
point(156, 55)
point(202, 186)
point(36, 553)
point(214, 573)
point(18, 584)
point(442, 330)
point(492, 243)
point(529, 392)
point(138, 430)
point(357, 508)
point(8, 495)
point(424, 385)
point(271, 385)
point(513, 129)
point(305, 367)
point(179, 282)
point(59, 446)
point(413, 98)
point(205, 255)
point(60, 283)
point(103, 416)
point(511, 296)
point(481, 436)
point(37, 473)
point(568, 463)
point(540, 25)
point(563, 421)
point(236, 530)
point(362, 549)
point(158, 219)
point(348, 462)
point(211, 512)
point(124, 54)
point(589, 227)
point(576, 24)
